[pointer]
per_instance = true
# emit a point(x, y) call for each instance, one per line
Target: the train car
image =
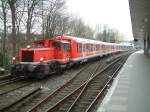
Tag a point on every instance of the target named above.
point(35, 60)
point(52, 56)
point(81, 49)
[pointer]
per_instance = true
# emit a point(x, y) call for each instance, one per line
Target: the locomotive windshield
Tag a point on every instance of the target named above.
point(39, 45)
point(57, 45)
point(66, 47)
point(62, 45)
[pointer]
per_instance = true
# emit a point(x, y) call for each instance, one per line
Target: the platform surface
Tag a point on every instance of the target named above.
point(130, 91)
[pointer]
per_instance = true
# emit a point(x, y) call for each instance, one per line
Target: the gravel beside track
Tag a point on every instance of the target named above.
point(13, 86)
point(80, 102)
point(66, 83)
point(52, 99)
point(10, 80)
point(48, 85)
point(92, 89)
point(5, 77)
point(15, 97)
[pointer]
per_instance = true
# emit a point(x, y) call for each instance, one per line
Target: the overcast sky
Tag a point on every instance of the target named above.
point(115, 13)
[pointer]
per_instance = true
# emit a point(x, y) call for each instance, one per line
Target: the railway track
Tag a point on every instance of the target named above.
point(81, 77)
point(68, 92)
point(4, 77)
point(12, 83)
point(10, 88)
point(10, 80)
point(14, 90)
point(82, 98)
point(19, 99)
point(93, 88)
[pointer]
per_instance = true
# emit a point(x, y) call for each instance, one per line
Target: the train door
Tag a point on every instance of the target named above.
point(66, 48)
point(83, 50)
point(62, 51)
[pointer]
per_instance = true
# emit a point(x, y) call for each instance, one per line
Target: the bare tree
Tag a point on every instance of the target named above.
point(20, 11)
point(31, 4)
point(55, 10)
point(107, 34)
point(62, 25)
point(12, 5)
point(78, 28)
point(4, 6)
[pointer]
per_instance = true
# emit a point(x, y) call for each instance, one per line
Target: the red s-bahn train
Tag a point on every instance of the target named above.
point(51, 56)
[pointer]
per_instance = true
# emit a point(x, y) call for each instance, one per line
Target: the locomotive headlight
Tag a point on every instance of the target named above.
point(41, 59)
point(13, 58)
point(28, 46)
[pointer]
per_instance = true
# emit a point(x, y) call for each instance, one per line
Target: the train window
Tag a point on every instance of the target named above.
point(91, 47)
point(66, 47)
point(103, 46)
point(79, 47)
point(84, 47)
point(38, 45)
point(57, 45)
point(97, 47)
point(88, 47)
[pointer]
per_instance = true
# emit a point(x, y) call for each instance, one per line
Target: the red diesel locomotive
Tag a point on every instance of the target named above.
point(51, 56)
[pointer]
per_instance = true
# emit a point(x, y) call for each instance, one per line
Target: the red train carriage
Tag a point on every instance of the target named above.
point(51, 56)
point(82, 49)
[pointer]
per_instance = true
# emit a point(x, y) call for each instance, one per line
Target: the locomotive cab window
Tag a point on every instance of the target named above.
point(57, 45)
point(66, 47)
point(79, 47)
point(38, 45)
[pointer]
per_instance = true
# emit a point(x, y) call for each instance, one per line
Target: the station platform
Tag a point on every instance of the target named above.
point(130, 90)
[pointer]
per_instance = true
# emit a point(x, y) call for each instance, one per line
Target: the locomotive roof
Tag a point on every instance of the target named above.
point(79, 39)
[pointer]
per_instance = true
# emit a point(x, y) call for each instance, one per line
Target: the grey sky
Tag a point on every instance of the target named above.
point(115, 13)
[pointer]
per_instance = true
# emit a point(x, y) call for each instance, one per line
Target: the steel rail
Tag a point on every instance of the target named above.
point(87, 89)
point(8, 81)
point(51, 95)
point(20, 99)
point(55, 107)
point(78, 90)
point(55, 92)
point(13, 89)
point(103, 89)
point(5, 77)
point(75, 92)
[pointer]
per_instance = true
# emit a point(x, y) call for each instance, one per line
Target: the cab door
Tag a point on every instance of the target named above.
point(84, 50)
point(66, 47)
point(62, 51)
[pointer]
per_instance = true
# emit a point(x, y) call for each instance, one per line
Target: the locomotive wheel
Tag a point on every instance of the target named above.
point(59, 71)
point(13, 73)
point(40, 75)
